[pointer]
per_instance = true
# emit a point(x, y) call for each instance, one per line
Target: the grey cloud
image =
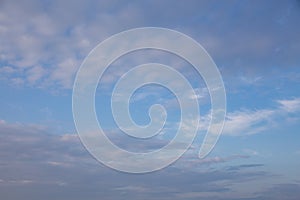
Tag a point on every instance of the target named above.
point(239, 167)
point(287, 191)
point(36, 164)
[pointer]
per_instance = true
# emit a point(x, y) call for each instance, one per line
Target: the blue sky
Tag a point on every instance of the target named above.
point(255, 45)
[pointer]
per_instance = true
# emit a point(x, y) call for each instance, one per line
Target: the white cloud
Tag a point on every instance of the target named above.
point(52, 42)
point(250, 80)
point(7, 70)
point(251, 152)
point(35, 74)
point(65, 72)
point(38, 33)
point(217, 159)
point(132, 188)
point(291, 105)
point(200, 93)
point(17, 127)
point(247, 122)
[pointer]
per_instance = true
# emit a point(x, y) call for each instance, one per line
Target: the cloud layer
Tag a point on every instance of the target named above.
point(37, 165)
point(43, 43)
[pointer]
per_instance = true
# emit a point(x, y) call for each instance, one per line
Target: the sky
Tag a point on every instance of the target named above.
point(255, 45)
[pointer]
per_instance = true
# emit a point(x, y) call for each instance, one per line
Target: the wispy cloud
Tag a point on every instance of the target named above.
point(247, 122)
point(251, 152)
point(291, 105)
point(245, 166)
